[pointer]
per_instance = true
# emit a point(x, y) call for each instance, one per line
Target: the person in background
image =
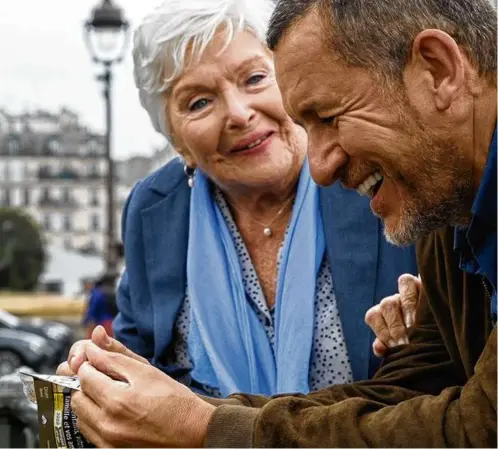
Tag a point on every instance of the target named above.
point(101, 309)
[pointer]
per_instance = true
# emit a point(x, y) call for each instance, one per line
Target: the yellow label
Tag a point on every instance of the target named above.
point(58, 410)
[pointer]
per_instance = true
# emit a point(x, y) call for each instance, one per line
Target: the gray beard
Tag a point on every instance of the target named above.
point(421, 221)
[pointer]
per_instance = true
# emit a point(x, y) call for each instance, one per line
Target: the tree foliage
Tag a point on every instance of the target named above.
point(22, 250)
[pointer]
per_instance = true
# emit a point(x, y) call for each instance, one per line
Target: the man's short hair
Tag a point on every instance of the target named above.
point(378, 34)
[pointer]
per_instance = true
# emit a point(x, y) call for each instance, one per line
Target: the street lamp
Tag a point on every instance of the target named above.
point(106, 36)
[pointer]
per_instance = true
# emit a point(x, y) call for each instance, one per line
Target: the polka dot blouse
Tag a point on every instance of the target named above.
point(329, 363)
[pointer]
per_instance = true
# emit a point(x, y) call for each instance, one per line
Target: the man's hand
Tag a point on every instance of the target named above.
point(391, 318)
point(124, 402)
point(100, 338)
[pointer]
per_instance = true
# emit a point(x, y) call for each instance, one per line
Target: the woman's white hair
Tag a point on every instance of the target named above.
point(175, 26)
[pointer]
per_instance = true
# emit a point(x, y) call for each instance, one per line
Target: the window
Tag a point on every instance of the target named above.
point(54, 146)
point(65, 195)
point(26, 197)
point(45, 195)
point(95, 222)
point(94, 198)
point(47, 223)
point(13, 146)
point(93, 148)
point(94, 171)
point(7, 199)
point(68, 225)
point(7, 173)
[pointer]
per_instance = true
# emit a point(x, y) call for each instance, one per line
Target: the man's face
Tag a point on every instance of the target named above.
point(375, 141)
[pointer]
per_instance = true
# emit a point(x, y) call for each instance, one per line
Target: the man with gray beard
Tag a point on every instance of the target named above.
point(398, 99)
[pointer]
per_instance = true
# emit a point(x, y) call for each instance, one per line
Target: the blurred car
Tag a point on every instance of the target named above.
point(18, 416)
point(20, 348)
point(60, 335)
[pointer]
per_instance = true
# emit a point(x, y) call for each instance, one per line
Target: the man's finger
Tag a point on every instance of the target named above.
point(77, 355)
point(96, 385)
point(89, 416)
point(104, 341)
point(115, 365)
point(64, 370)
point(391, 311)
point(378, 325)
point(379, 348)
point(409, 289)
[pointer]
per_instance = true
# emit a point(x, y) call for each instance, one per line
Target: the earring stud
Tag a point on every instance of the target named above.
point(189, 173)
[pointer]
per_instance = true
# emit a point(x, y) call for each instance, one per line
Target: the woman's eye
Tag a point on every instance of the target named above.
point(199, 104)
point(255, 79)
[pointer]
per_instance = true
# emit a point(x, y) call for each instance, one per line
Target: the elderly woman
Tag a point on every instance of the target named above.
point(241, 274)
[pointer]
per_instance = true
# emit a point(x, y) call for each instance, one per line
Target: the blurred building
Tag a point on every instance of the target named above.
point(135, 168)
point(53, 166)
point(131, 170)
point(162, 156)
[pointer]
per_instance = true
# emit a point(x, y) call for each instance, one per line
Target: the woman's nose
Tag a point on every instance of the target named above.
point(240, 112)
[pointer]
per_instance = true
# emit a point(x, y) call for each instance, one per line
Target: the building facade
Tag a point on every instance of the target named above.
point(55, 169)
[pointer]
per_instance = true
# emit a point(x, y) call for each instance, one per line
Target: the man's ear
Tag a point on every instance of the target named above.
point(438, 60)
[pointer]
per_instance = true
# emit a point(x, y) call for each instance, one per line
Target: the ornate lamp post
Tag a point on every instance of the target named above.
point(106, 36)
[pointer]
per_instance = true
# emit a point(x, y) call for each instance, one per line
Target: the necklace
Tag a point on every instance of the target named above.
point(267, 230)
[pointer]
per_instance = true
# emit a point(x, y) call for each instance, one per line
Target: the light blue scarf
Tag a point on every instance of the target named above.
point(228, 345)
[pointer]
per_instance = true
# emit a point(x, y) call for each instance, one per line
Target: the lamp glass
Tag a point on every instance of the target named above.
point(107, 43)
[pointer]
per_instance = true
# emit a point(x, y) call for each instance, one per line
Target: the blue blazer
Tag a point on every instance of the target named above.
point(365, 268)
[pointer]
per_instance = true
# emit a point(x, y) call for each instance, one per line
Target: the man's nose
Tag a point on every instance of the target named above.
point(326, 162)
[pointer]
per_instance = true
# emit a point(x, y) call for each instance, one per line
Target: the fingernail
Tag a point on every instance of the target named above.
point(104, 337)
point(402, 341)
point(107, 339)
point(72, 362)
point(391, 343)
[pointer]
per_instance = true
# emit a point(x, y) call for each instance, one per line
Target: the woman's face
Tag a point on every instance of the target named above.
point(227, 118)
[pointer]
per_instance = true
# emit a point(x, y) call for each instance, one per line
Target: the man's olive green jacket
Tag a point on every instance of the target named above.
point(438, 391)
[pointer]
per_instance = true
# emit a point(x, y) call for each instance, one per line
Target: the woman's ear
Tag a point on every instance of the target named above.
point(187, 156)
point(184, 152)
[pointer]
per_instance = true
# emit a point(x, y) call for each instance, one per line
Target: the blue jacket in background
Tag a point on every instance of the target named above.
point(99, 309)
point(365, 268)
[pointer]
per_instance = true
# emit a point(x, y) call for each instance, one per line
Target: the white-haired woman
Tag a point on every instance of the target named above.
point(241, 274)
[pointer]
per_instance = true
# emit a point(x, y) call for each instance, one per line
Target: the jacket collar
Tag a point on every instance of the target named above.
point(352, 239)
point(168, 178)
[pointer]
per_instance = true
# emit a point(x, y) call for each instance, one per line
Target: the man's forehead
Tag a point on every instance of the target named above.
point(302, 59)
point(302, 36)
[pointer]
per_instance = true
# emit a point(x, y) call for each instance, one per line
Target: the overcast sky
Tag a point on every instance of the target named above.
point(44, 64)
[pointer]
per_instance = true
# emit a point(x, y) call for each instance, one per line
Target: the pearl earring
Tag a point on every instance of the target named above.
point(189, 173)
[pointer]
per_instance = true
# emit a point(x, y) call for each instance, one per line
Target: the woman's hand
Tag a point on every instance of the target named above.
point(99, 338)
point(391, 318)
point(124, 402)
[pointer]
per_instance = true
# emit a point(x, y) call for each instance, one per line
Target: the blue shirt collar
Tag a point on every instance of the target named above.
point(484, 205)
point(477, 243)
